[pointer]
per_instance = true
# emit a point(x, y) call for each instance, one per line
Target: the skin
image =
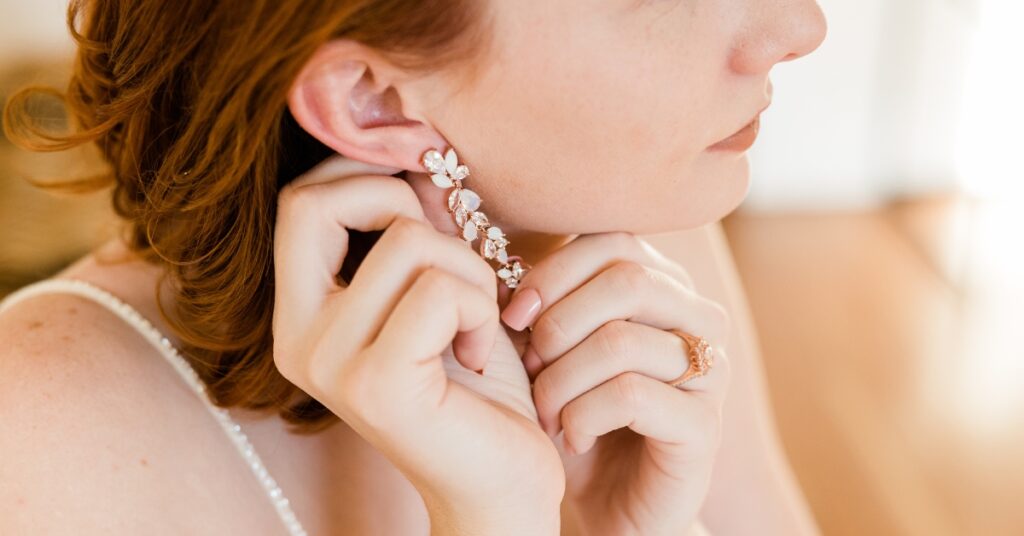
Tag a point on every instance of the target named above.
point(550, 171)
point(572, 106)
point(584, 116)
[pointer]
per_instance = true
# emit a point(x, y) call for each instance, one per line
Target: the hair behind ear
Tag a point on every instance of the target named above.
point(299, 151)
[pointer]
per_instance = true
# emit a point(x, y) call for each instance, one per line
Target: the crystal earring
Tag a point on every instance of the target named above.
point(446, 172)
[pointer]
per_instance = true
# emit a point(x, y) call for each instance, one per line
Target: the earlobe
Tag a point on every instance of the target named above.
point(341, 99)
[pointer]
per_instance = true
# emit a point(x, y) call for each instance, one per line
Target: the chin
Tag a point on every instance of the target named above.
point(722, 196)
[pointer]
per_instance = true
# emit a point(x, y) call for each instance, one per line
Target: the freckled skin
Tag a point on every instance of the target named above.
point(595, 117)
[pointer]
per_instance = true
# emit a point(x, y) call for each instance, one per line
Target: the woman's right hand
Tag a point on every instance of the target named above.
point(371, 352)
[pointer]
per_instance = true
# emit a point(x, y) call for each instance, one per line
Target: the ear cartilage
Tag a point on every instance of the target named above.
point(463, 204)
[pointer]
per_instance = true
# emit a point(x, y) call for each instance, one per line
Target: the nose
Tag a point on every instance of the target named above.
point(777, 31)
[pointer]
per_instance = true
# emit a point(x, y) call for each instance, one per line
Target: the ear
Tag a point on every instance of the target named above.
point(351, 99)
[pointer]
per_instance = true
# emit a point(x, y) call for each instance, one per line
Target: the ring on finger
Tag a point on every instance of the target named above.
point(700, 354)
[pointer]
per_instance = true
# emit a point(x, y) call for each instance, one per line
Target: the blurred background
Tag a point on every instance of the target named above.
point(881, 247)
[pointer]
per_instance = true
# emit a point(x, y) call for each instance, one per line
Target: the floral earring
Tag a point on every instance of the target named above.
point(446, 172)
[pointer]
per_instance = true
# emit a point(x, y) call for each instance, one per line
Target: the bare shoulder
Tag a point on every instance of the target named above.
point(97, 433)
point(74, 391)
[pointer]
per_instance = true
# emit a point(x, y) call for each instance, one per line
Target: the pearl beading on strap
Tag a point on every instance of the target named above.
point(164, 346)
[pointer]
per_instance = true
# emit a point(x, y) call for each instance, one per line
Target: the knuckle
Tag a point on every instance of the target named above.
point(356, 395)
point(614, 340)
point(403, 234)
point(286, 199)
point(434, 281)
point(630, 390)
point(285, 194)
point(322, 372)
point(549, 331)
point(623, 241)
point(405, 229)
point(354, 385)
point(298, 199)
point(634, 278)
point(487, 275)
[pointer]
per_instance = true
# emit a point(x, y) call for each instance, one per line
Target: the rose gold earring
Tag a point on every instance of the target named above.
point(463, 204)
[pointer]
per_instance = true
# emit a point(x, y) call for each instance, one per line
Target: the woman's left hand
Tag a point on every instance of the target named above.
point(638, 453)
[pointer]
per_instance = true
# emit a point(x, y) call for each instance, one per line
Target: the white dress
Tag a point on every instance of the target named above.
point(171, 354)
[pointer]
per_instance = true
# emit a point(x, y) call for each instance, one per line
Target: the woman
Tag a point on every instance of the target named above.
point(329, 305)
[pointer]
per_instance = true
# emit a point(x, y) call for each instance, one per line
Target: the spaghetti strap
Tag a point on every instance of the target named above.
point(164, 346)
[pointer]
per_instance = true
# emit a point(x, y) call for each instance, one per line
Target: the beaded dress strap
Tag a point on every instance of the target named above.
point(171, 354)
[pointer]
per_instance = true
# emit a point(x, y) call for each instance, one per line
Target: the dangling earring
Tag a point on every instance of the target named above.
point(446, 172)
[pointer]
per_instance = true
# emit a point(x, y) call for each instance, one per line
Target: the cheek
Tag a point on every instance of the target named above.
point(568, 168)
point(599, 143)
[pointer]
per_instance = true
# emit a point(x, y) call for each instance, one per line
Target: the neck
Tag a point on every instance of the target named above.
point(531, 246)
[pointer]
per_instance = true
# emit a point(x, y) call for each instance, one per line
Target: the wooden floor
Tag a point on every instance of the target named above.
point(896, 420)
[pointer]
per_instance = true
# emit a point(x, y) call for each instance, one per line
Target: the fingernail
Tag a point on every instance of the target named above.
point(522, 310)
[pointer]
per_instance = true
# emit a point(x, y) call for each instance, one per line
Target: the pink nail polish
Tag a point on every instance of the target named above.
point(522, 310)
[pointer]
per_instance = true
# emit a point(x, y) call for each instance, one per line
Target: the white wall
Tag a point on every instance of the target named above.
point(33, 28)
point(873, 113)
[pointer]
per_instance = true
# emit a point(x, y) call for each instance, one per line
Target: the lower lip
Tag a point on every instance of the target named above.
point(741, 140)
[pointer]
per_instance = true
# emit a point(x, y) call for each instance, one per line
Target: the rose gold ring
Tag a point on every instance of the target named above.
point(701, 358)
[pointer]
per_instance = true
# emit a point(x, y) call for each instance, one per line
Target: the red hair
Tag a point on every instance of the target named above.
point(187, 104)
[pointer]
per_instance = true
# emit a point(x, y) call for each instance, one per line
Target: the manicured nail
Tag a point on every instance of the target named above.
point(522, 310)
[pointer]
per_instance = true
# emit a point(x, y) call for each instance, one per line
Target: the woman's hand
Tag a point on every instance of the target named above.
point(600, 355)
point(372, 352)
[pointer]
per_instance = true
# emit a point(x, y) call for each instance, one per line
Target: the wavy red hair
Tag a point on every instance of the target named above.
point(187, 103)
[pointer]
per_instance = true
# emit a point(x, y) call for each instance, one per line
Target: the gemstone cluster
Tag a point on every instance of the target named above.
point(463, 203)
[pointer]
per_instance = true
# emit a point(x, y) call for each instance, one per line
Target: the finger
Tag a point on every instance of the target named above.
point(311, 242)
point(713, 384)
point(311, 237)
point(626, 291)
point(616, 347)
point(338, 167)
point(405, 249)
point(436, 307)
point(680, 425)
point(573, 264)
